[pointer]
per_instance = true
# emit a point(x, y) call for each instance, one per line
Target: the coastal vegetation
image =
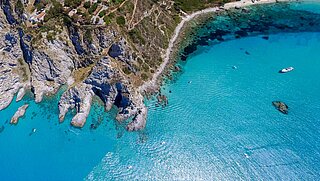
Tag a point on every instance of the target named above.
point(145, 23)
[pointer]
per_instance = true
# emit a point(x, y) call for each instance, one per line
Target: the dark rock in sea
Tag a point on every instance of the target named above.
point(1, 129)
point(281, 106)
point(241, 33)
point(203, 41)
point(183, 57)
point(220, 38)
point(190, 48)
point(93, 126)
point(176, 68)
point(239, 23)
point(162, 100)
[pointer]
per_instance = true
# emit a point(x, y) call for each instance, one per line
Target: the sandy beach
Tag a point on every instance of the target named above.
point(152, 84)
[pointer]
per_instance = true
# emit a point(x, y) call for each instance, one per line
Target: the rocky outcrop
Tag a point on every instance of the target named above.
point(83, 111)
point(121, 51)
point(101, 80)
point(22, 91)
point(89, 64)
point(109, 85)
point(20, 112)
point(113, 89)
point(104, 37)
point(51, 68)
point(281, 106)
point(13, 72)
point(139, 120)
point(79, 98)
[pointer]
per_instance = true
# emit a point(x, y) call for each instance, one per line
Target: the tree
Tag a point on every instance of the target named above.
point(55, 11)
point(93, 8)
point(72, 3)
point(87, 4)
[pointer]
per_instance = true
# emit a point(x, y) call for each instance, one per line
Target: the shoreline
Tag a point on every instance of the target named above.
point(139, 112)
point(153, 84)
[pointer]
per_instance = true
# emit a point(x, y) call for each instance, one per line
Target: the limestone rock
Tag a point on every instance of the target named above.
point(11, 72)
point(20, 112)
point(79, 98)
point(51, 68)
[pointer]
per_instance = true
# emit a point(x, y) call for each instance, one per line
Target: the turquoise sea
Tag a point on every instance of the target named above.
point(219, 125)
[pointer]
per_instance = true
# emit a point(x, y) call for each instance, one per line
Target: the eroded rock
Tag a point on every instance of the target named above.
point(20, 112)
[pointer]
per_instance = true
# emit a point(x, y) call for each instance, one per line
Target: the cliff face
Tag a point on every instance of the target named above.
point(96, 48)
point(12, 68)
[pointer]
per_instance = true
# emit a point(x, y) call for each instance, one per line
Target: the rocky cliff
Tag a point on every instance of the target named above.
point(96, 48)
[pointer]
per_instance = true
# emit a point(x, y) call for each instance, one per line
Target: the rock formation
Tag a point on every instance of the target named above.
point(20, 112)
point(281, 106)
point(109, 56)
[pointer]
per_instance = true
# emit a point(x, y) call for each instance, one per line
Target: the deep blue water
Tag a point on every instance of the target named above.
point(221, 126)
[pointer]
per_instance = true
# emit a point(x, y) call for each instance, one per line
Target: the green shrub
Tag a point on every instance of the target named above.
point(93, 8)
point(41, 4)
point(19, 7)
point(87, 4)
point(144, 76)
point(55, 10)
point(107, 19)
point(136, 36)
point(121, 20)
point(116, 1)
point(102, 13)
point(126, 70)
point(72, 3)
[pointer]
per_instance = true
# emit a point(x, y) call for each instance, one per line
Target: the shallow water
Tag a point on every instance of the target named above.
point(221, 126)
point(55, 151)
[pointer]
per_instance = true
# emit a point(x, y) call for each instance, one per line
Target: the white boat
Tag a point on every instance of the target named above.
point(285, 70)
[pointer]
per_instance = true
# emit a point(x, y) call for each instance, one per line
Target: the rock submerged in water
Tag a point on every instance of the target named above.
point(281, 106)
